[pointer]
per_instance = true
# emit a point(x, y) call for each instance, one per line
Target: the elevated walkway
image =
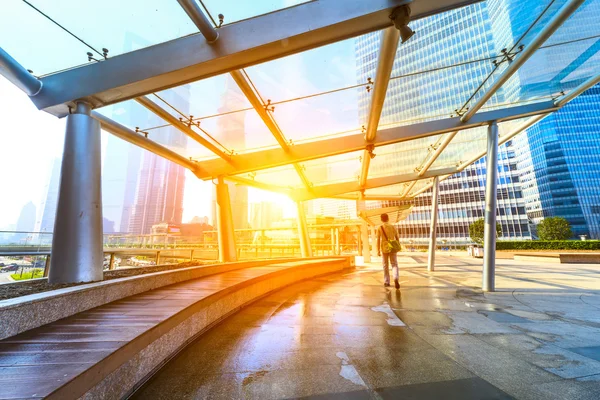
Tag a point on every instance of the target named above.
point(107, 351)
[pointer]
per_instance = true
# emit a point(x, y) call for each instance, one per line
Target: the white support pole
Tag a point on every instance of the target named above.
point(489, 246)
point(374, 249)
point(225, 229)
point(77, 241)
point(364, 234)
point(305, 247)
point(433, 226)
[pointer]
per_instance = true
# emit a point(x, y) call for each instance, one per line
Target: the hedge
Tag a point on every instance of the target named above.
point(549, 245)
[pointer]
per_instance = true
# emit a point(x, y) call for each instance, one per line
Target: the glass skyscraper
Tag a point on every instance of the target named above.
point(452, 52)
point(557, 157)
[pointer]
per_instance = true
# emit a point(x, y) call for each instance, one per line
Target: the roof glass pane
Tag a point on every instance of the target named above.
point(285, 176)
point(119, 26)
point(400, 158)
point(465, 145)
point(564, 61)
point(328, 170)
point(134, 116)
point(235, 10)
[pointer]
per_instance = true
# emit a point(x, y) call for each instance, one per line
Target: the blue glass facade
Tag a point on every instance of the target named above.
point(453, 51)
point(558, 158)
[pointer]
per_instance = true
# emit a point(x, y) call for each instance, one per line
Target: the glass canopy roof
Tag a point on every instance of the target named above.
point(309, 99)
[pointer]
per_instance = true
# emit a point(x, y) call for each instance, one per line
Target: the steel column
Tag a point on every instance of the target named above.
point(364, 233)
point(489, 246)
point(561, 16)
point(77, 241)
point(225, 229)
point(433, 226)
point(18, 75)
point(303, 235)
point(387, 53)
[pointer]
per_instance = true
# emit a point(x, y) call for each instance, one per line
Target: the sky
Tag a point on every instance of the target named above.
point(30, 140)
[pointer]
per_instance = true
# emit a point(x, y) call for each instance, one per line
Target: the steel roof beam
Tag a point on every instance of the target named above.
point(592, 81)
point(18, 75)
point(299, 152)
point(390, 38)
point(241, 44)
point(348, 187)
point(556, 22)
point(137, 139)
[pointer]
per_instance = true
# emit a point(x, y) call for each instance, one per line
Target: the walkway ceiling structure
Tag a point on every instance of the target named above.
point(299, 151)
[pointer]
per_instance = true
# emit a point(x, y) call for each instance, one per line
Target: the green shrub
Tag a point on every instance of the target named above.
point(554, 228)
point(476, 230)
point(549, 245)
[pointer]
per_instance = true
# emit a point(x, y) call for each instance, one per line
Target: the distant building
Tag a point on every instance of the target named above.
point(557, 158)
point(265, 214)
point(231, 130)
point(160, 183)
point(47, 211)
point(26, 220)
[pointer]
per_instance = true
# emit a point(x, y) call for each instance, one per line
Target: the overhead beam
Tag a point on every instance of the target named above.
point(242, 44)
point(347, 187)
point(18, 75)
point(556, 22)
point(369, 197)
point(188, 131)
point(299, 152)
point(390, 38)
point(134, 138)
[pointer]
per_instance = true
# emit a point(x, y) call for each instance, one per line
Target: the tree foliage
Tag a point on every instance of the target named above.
point(477, 228)
point(554, 228)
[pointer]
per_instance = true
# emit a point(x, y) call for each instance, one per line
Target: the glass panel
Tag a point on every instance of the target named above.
point(319, 116)
point(319, 70)
point(119, 26)
point(400, 158)
point(285, 176)
point(328, 170)
point(393, 190)
point(132, 114)
point(564, 61)
point(235, 10)
point(463, 147)
point(207, 98)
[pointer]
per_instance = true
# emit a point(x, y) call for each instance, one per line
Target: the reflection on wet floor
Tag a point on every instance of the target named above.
point(346, 336)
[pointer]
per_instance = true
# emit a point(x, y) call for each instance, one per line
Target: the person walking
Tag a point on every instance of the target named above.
point(388, 243)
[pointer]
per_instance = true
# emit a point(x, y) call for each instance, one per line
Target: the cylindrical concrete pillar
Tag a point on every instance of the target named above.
point(77, 242)
point(489, 241)
point(303, 235)
point(225, 229)
point(433, 226)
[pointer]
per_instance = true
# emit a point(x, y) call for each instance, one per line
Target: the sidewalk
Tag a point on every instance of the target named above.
point(346, 336)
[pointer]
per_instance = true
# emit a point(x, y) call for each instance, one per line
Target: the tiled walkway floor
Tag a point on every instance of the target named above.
point(346, 336)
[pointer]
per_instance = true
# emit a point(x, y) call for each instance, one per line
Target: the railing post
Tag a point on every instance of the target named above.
point(433, 226)
point(192, 255)
point(47, 266)
point(111, 262)
point(489, 246)
point(305, 248)
point(77, 241)
point(157, 262)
